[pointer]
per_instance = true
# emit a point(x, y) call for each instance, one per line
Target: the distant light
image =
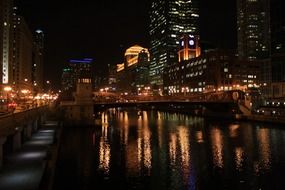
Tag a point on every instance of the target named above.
point(88, 59)
point(80, 61)
point(39, 31)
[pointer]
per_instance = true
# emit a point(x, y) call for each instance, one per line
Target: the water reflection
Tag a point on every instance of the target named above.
point(185, 151)
point(264, 149)
point(233, 130)
point(239, 156)
point(139, 149)
point(199, 137)
point(217, 147)
point(173, 148)
point(104, 151)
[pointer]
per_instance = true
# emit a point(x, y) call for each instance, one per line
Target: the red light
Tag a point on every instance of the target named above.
point(12, 104)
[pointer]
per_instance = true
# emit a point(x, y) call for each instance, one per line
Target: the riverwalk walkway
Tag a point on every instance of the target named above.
point(26, 168)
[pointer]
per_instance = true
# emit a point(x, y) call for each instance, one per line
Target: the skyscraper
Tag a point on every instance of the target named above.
point(22, 58)
point(169, 19)
point(6, 9)
point(38, 60)
point(253, 22)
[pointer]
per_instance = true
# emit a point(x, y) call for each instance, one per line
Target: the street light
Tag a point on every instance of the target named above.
point(7, 89)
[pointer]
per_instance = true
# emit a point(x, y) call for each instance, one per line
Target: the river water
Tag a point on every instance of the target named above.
point(155, 150)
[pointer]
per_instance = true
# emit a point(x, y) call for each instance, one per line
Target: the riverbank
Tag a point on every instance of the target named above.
point(262, 118)
point(229, 116)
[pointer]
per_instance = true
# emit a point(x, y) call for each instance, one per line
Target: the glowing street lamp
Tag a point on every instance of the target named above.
point(7, 89)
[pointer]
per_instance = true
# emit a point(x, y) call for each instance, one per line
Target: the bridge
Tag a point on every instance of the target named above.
point(15, 128)
point(212, 100)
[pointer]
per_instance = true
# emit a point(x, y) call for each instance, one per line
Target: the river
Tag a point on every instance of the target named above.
point(156, 150)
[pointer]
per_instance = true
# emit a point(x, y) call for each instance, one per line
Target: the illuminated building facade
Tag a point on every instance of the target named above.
point(169, 19)
point(131, 57)
point(6, 9)
point(213, 71)
point(133, 73)
point(253, 29)
point(189, 47)
point(76, 69)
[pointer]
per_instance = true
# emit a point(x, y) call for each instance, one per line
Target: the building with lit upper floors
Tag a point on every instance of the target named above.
point(132, 75)
point(253, 22)
point(254, 39)
point(169, 19)
point(215, 70)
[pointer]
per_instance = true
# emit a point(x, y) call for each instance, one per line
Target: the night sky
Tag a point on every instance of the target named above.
point(103, 29)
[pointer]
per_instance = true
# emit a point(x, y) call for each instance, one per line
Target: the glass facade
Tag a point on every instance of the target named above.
point(169, 19)
point(253, 22)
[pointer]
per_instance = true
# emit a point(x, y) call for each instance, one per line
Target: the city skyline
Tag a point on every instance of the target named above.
point(89, 30)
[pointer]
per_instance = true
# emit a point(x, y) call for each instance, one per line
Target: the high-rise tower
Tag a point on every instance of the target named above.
point(253, 22)
point(169, 20)
point(6, 10)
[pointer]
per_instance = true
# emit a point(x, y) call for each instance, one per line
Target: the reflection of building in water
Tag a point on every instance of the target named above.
point(173, 148)
point(239, 153)
point(217, 147)
point(104, 118)
point(234, 131)
point(144, 142)
point(160, 129)
point(184, 143)
point(264, 148)
point(147, 147)
point(199, 137)
point(104, 151)
point(132, 162)
point(138, 154)
point(124, 130)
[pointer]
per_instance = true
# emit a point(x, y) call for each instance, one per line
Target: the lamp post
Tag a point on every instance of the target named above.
point(7, 89)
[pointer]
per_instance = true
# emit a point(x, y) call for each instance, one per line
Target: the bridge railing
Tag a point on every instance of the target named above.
point(9, 122)
point(203, 97)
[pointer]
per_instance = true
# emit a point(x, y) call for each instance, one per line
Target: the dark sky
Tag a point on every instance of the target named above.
point(103, 29)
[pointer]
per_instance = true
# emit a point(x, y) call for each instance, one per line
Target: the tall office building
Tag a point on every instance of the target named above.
point(38, 60)
point(6, 10)
point(22, 60)
point(169, 19)
point(253, 22)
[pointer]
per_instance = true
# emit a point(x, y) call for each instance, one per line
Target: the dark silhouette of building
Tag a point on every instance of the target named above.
point(278, 48)
point(253, 22)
